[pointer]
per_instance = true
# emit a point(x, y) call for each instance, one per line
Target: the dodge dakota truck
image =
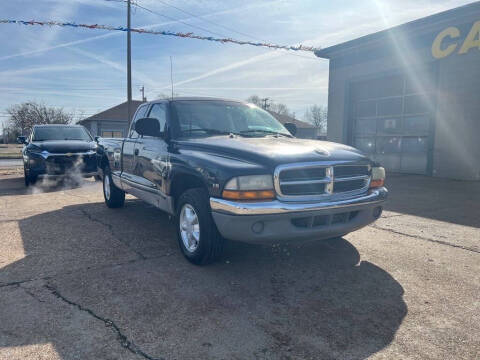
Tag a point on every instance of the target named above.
point(229, 170)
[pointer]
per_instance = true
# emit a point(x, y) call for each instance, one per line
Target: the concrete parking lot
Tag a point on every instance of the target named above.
point(81, 281)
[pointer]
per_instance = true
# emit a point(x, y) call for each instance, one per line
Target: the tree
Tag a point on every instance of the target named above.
point(269, 104)
point(317, 115)
point(255, 99)
point(24, 116)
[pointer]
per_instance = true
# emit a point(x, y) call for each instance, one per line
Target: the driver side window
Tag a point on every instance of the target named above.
point(159, 112)
point(142, 110)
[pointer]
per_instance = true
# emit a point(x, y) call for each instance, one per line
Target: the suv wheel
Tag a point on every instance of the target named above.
point(29, 179)
point(114, 197)
point(198, 237)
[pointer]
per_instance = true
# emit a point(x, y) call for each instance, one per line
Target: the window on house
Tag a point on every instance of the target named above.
point(112, 134)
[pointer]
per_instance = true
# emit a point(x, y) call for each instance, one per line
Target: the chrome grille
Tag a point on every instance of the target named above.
point(311, 181)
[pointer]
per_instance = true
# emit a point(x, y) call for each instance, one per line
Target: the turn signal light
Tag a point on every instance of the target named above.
point(248, 195)
point(378, 177)
point(377, 183)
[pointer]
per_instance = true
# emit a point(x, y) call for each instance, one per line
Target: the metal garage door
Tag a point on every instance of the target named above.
point(391, 122)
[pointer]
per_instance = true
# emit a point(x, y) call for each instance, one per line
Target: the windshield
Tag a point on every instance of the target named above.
point(46, 133)
point(207, 118)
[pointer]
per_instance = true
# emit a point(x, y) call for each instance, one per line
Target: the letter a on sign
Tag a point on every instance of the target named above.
point(472, 40)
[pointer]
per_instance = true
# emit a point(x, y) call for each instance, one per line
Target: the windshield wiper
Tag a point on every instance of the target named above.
point(210, 131)
point(264, 132)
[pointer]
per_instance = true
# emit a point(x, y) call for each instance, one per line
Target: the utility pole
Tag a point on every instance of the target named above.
point(129, 65)
point(142, 90)
point(265, 104)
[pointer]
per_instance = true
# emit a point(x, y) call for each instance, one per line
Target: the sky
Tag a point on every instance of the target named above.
point(84, 71)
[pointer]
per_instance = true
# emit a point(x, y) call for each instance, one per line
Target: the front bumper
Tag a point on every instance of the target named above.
point(277, 220)
point(62, 165)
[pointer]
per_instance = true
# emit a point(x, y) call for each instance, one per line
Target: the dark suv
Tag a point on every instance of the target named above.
point(57, 150)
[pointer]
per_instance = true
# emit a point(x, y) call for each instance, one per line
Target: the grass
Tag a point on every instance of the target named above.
point(10, 151)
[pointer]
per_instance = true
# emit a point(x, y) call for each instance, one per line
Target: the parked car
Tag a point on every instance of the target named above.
point(54, 151)
point(229, 170)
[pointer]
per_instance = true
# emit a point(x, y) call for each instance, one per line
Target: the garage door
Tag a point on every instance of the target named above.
point(391, 122)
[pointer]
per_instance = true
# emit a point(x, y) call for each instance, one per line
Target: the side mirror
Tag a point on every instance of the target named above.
point(291, 127)
point(148, 127)
point(96, 138)
point(22, 139)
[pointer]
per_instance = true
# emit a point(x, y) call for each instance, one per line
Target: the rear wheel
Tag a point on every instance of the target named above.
point(114, 197)
point(198, 237)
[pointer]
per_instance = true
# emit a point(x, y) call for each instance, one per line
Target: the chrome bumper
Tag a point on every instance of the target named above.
point(281, 207)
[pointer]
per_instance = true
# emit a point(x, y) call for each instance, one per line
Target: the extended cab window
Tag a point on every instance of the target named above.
point(159, 112)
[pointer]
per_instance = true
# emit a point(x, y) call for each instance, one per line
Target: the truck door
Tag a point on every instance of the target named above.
point(128, 151)
point(151, 163)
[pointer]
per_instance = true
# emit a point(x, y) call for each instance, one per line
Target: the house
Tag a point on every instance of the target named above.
point(408, 96)
point(112, 122)
point(305, 130)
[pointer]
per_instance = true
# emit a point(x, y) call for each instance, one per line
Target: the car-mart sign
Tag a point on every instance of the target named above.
point(439, 50)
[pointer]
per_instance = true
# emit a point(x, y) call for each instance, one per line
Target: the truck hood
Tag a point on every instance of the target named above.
point(65, 146)
point(272, 151)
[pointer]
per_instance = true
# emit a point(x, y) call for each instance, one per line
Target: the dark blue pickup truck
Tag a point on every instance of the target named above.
point(229, 170)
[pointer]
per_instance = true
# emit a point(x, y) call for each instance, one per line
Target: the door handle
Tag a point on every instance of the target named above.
point(135, 152)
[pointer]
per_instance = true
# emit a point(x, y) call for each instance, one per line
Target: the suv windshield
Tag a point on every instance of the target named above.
point(207, 118)
point(45, 133)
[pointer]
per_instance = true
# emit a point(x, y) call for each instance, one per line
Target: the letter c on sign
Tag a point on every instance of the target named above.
point(437, 50)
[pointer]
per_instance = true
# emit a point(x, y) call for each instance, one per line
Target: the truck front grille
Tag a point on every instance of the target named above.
point(310, 181)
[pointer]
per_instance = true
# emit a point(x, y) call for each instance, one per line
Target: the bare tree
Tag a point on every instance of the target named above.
point(317, 115)
point(271, 105)
point(24, 116)
point(255, 99)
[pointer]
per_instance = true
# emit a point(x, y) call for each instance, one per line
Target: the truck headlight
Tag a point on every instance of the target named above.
point(252, 187)
point(378, 177)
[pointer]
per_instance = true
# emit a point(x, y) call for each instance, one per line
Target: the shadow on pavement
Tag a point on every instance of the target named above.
point(452, 201)
point(315, 300)
point(14, 185)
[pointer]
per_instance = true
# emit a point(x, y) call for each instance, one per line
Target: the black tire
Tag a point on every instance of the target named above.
point(26, 177)
point(115, 198)
point(29, 179)
point(210, 243)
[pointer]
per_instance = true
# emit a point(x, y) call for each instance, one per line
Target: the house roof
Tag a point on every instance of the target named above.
point(412, 27)
point(288, 119)
point(116, 113)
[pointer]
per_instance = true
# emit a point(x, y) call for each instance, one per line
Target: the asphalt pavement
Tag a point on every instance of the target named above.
point(81, 281)
point(10, 162)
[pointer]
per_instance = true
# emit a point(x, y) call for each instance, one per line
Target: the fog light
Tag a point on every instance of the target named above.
point(377, 212)
point(257, 227)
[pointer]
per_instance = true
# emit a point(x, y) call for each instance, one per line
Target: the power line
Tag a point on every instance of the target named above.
point(206, 20)
point(175, 19)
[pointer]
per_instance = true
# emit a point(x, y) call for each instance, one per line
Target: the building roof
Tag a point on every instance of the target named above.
point(415, 26)
point(116, 113)
point(288, 119)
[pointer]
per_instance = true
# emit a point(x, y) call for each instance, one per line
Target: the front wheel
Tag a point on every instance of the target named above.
point(198, 237)
point(29, 179)
point(114, 197)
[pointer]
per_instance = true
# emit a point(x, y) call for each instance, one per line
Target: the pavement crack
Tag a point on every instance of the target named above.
point(32, 294)
point(446, 243)
point(121, 337)
point(112, 232)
